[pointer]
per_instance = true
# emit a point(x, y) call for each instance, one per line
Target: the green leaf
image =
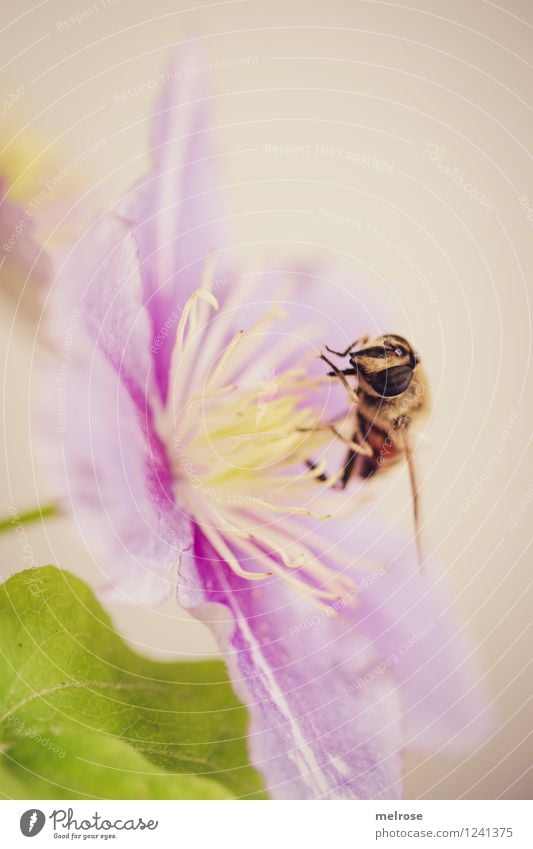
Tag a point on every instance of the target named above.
point(84, 716)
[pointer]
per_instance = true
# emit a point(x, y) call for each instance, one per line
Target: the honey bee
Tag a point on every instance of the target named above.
point(390, 393)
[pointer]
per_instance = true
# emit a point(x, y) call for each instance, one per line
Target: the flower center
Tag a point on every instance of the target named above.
point(242, 420)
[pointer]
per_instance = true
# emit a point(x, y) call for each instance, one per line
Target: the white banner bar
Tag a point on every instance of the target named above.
point(269, 825)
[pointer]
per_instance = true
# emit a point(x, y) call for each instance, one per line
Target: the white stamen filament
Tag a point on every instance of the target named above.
point(239, 448)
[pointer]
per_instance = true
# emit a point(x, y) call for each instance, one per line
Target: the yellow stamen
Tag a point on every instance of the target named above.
point(227, 555)
point(239, 445)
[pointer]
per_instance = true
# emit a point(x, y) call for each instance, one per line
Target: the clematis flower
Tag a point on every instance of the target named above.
point(193, 399)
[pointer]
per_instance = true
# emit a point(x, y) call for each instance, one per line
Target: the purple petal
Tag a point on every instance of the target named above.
point(414, 623)
point(313, 734)
point(174, 211)
point(108, 458)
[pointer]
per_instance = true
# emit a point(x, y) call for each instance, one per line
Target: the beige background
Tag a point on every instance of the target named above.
point(376, 83)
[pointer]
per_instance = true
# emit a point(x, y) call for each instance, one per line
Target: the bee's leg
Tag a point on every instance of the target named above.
point(351, 457)
point(323, 477)
point(414, 492)
point(335, 372)
point(349, 466)
point(361, 340)
point(358, 447)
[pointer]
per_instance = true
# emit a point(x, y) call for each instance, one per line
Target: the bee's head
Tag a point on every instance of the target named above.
point(385, 365)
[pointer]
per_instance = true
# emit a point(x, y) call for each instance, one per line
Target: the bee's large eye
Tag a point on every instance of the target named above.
point(390, 381)
point(399, 352)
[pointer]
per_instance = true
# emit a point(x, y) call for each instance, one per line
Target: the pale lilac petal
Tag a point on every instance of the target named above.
point(108, 464)
point(313, 734)
point(97, 297)
point(175, 210)
point(415, 623)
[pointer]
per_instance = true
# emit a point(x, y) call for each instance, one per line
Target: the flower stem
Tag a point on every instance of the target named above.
point(16, 519)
